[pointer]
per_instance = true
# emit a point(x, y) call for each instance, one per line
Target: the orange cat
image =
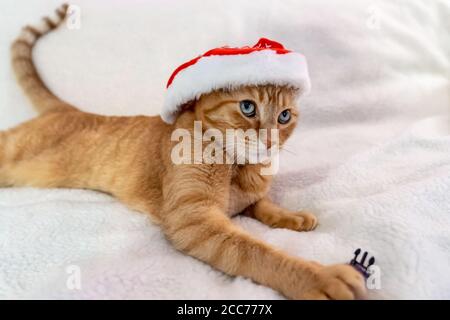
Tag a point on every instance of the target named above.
point(130, 158)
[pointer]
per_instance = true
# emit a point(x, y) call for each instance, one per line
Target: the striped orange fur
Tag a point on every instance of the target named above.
point(129, 158)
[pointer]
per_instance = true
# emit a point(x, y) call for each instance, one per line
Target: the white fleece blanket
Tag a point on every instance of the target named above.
point(371, 156)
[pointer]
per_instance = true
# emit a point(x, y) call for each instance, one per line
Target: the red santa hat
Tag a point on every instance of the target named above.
point(267, 62)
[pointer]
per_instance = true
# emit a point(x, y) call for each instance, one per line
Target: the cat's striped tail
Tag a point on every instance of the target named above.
point(27, 76)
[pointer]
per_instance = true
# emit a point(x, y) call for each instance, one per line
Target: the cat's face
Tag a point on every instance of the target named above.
point(255, 107)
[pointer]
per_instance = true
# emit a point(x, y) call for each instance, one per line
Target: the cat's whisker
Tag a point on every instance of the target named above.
point(289, 151)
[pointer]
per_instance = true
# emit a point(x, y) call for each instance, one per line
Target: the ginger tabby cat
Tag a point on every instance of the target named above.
point(129, 158)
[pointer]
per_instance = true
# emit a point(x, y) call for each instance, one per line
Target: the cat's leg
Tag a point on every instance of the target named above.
point(203, 231)
point(37, 153)
point(193, 219)
point(7, 155)
point(272, 215)
point(24, 160)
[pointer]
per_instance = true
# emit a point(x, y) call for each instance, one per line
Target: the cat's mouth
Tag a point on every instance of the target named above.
point(251, 153)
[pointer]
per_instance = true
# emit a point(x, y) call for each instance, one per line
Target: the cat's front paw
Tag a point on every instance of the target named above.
point(298, 221)
point(337, 282)
point(309, 221)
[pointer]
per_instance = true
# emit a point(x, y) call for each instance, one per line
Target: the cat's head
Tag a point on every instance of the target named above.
point(251, 107)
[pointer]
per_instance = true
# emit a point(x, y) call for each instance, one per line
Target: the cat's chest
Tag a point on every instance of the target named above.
point(244, 191)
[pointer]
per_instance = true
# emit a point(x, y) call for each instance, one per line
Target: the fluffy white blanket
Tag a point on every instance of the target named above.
point(371, 156)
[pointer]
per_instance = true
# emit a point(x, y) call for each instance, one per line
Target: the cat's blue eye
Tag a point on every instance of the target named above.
point(248, 108)
point(284, 116)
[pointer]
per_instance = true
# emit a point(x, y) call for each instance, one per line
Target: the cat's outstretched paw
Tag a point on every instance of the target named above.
point(337, 282)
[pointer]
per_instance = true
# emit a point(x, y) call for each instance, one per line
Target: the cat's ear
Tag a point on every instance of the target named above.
point(188, 106)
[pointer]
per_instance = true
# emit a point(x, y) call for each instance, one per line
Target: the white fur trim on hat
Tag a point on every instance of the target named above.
point(230, 71)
